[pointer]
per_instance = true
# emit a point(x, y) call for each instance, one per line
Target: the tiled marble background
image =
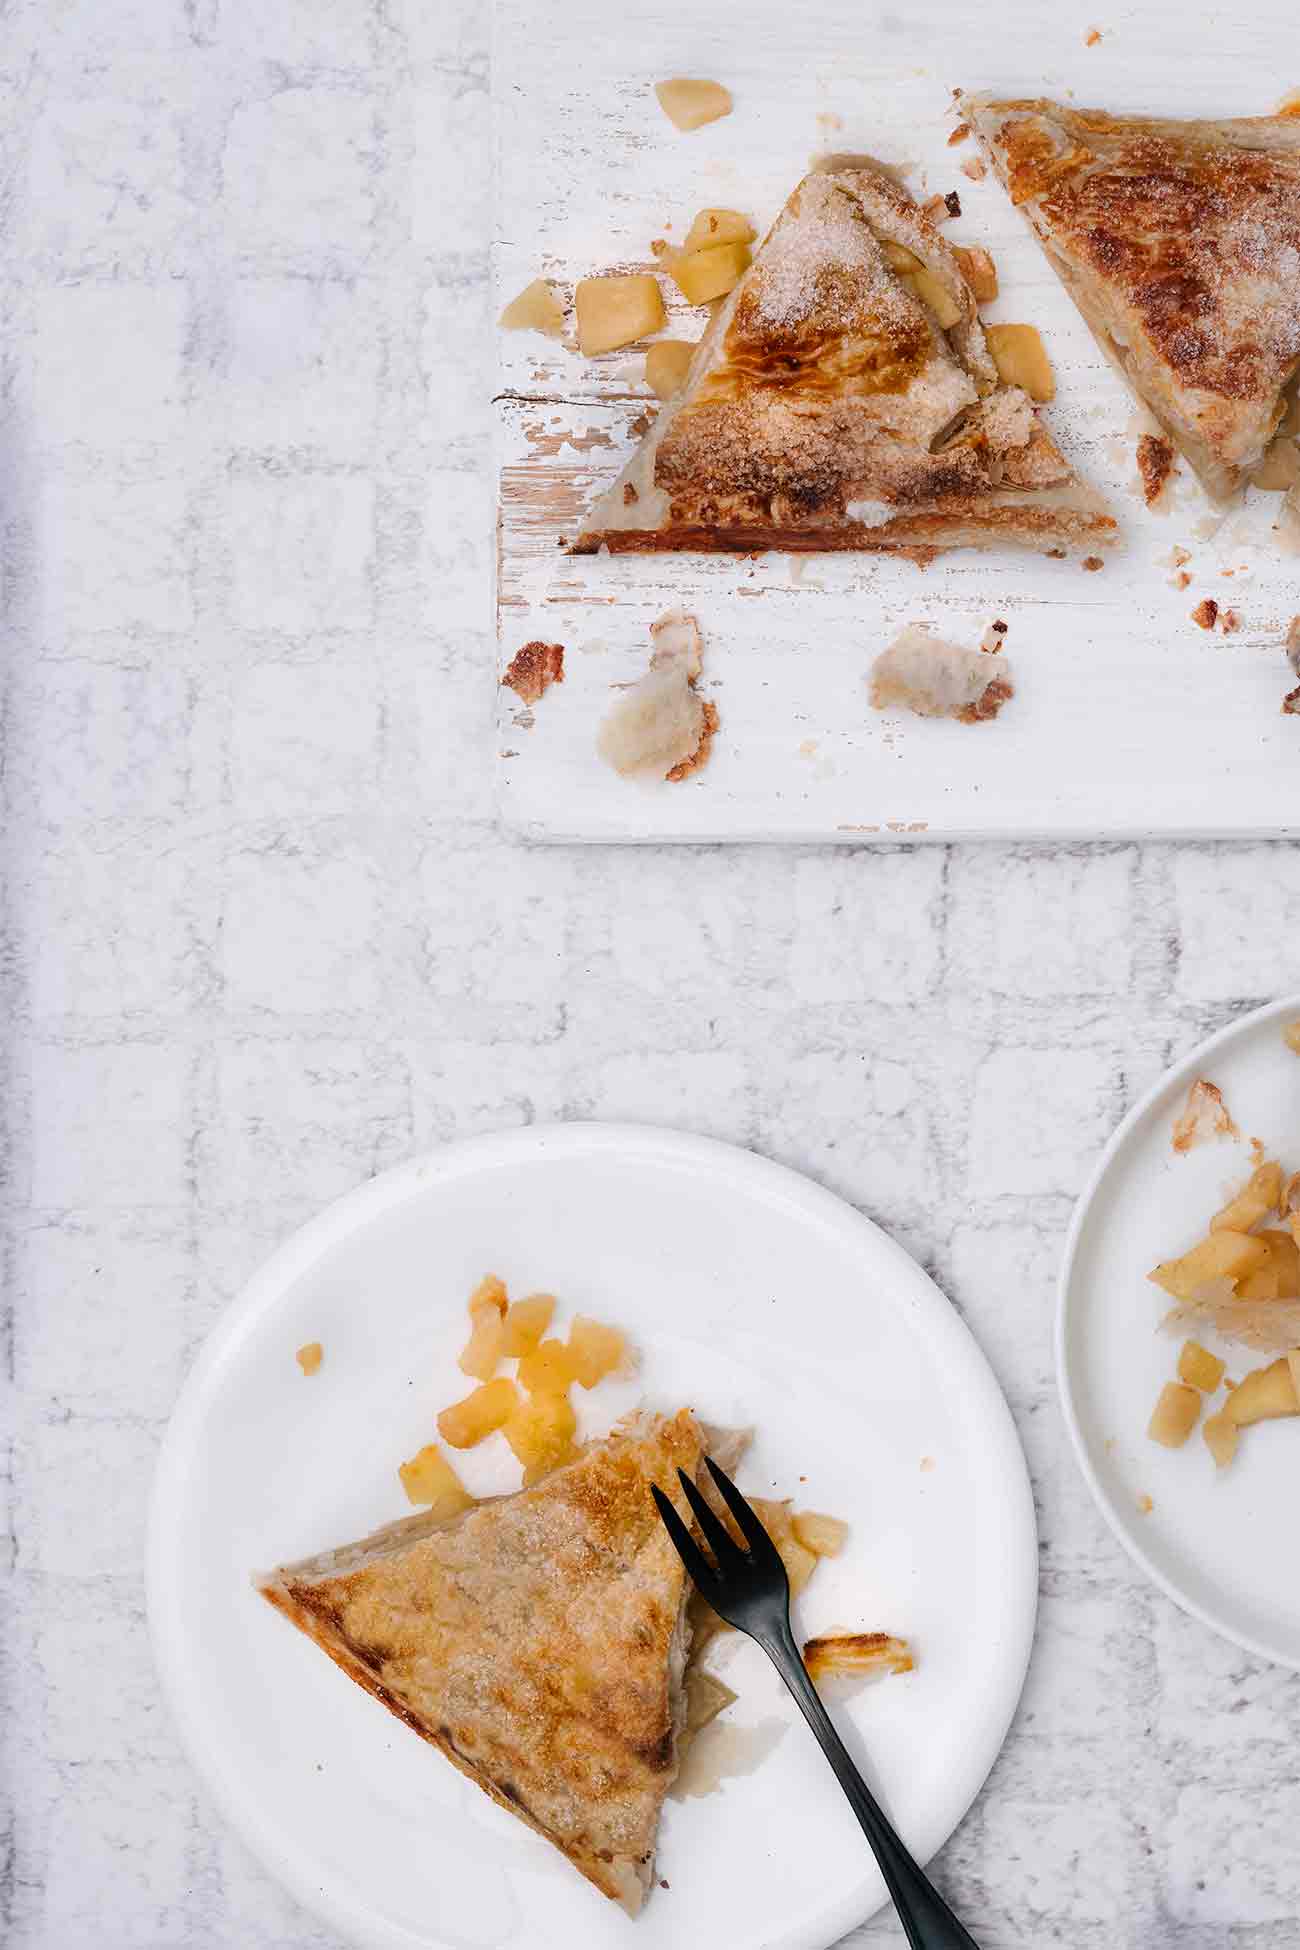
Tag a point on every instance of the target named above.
point(261, 939)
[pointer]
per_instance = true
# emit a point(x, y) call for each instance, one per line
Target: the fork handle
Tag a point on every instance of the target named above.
point(925, 1916)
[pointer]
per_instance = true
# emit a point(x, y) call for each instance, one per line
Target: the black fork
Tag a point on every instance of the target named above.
point(749, 1588)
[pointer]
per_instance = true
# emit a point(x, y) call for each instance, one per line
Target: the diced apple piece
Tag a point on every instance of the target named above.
point(617, 311)
point(690, 104)
point(429, 1478)
point(526, 1323)
point(1221, 1436)
point(1021, 359)
point(596, 1351)
point(822, 1535)
point(1285, 1256)
point(310, 1357)
point(1264, 1394)
point(548, 1370)
point(979, 271)
point(536, 309)
point(490, 1292)
point(480, 1415)
point(706, 1697)
point(540, 1432)
point(932, 291)
point(898, 257)
point(705, 275)
point(667, 363)
point(718, 227)
point(1175, 1415)
point(1223, 1255)
point(1260, 1195)
point(485, 1346)
point(1199, 1368)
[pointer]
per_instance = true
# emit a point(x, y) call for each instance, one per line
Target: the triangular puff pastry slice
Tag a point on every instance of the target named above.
point(843, 397)
point(1180, 244)
point(538, 1640)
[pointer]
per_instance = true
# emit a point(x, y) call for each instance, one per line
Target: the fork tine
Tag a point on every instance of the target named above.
point(719, 1539)
point(751, 1525)
point(698, 1568)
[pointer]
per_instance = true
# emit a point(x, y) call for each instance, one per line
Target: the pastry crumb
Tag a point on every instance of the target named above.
point(700, 756)
point(1292, 645)
point(976, 168)
point(1155, 461)
point(310, 1357)
point(959, 134)
point(1229, 622)
point(1179, 555)
point(534, 669)
point(1145, 1505)
point(927, 1464)
point(1092, 563)
point(1204, 1115)
point(994, 637)
point(1181, 580)
point(921, 673)
point(1092, 37)
point(1206, 613)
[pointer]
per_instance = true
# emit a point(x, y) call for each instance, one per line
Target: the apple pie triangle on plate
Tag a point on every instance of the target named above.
point(538, 1640)
point(843, 397)
point(1180, 244)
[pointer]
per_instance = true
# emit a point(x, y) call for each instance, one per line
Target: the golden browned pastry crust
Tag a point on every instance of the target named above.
point(828, 408)
point(537, 1641)
point(1180, 244)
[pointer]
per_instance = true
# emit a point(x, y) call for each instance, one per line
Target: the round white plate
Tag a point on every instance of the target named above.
point(755, 1297)
point(1215, 1541)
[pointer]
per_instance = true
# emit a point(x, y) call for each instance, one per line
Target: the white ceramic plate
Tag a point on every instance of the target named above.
point(754, 1296)
point(1213, 1539)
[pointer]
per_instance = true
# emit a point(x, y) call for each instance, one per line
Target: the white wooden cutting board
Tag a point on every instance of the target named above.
point(1128, 718)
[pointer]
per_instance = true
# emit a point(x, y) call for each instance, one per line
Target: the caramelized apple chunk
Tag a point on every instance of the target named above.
point(547, 1370)
point(1175, 1414)
point(1199, 1368)
point(1221, 1437)
point(1264, 1394)
point(701, 276)
point(979, 271)
point(536, 309)
point(1223, 1255)
point(617, 311)
point(667, 363)
point(486, 1344)
point(1261, 1194)
point(689, 104)
point(822, 1535)
point(595, 1351)
point(430, 1479)
point(1021, 359)
point(718, 227)
point(526, 1322)
point(540, 1432)
point(481, 1414)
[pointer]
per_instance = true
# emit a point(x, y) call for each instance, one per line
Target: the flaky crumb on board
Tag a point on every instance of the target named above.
point(662, 727)
point(1291, 1036)
point(1092, 37)
point(1203, 1116)
point(1206, 613)
point(925, 675)
point(533, 670)
point(310, 1356)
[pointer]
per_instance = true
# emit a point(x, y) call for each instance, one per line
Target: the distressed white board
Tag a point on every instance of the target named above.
point(1128, 718)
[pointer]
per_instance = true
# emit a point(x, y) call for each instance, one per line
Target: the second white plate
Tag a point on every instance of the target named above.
point(754, 1296)
point(1213, 1540)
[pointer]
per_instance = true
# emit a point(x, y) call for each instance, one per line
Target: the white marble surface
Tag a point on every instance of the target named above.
point(261, 939)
